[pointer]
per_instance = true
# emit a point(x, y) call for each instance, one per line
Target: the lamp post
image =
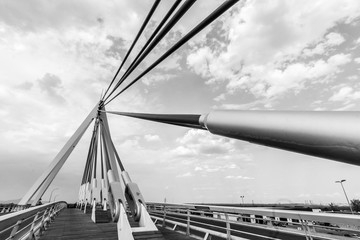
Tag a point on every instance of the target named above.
point(242, 199)
point(347, 199)
point(52, 193)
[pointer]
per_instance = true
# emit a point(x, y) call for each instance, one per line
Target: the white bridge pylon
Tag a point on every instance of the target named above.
point(116, 190)
point(43, 182)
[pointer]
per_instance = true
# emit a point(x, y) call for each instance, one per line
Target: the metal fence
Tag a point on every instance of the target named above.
point(245, 223)
point(11, 207)
point(28, 223)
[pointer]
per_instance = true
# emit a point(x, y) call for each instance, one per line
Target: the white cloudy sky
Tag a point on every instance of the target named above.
point(56, 57)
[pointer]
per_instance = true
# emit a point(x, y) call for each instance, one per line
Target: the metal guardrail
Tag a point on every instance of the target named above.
point(28, 223)
point(11, 207)
point(226, 222)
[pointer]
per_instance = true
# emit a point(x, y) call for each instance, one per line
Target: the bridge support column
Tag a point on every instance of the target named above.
point(146, 224)
point(123, 226)
point(43, 182)
point(93, 217)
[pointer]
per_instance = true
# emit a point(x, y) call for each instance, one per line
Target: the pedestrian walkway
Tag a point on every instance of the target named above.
point(72, 223)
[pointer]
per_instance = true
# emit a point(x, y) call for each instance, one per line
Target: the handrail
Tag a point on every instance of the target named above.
point(27, 222)
point(200, 229)
point(12, 207)
point(302, 223)
point(331, 218)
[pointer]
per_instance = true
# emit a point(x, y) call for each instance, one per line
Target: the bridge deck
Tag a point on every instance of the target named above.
point(72, 223)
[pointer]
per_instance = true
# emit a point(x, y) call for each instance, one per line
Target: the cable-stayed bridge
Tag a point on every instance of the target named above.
point(111, 206)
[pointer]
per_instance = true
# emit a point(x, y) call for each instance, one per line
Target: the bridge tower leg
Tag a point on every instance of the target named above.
point(43, 182)
point(118, 196)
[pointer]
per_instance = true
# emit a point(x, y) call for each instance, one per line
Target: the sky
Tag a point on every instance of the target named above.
point(57, 57)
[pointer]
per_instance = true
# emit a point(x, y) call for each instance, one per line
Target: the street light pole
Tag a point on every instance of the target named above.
point(52, 193)
point(347, 199)
point(242, 198)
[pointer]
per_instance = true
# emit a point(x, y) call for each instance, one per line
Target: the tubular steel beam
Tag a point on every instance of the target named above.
point(43, 182)
point(90, 151)
point(184, 120)
point(108, 145)
point(331, 135)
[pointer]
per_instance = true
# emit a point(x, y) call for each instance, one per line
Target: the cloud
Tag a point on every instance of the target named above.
point(151, 138)
point(269, 46)
point(345, 94)
point(188, 174)
point(30, 15)
point(331, 40)
point(157, 78)
point(339, 59)
point(267, 81)
point(334, 39)
point(358, 41)
point(213, 167)
point(288, 27)
point(253, 105)
point(199, 61)
point(203, 188)
point(199, 142)
point(239, 177)
point(357, 60)
point(25, 85)
point(182, 151)
point(51, 85)
point(204, 154)
point(219, 98)
point(76, 56)
point(346, 107)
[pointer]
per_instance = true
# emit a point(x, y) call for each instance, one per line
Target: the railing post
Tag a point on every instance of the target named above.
point(188, 222)
point(164, 217)
point(52, 213)
point(306, 229)
point(207, 236)
point(15, 229)
point(93, 211)
point(105, 205)
point(252, 218)
point(228, 233)
point(57, 209)
point(85, 206)
point(42, 224)
point(47, 217)
point(31, 233)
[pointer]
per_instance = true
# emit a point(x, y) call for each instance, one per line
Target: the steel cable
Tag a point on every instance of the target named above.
point(152, 10)
point(177, 16)
point(215, 14)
